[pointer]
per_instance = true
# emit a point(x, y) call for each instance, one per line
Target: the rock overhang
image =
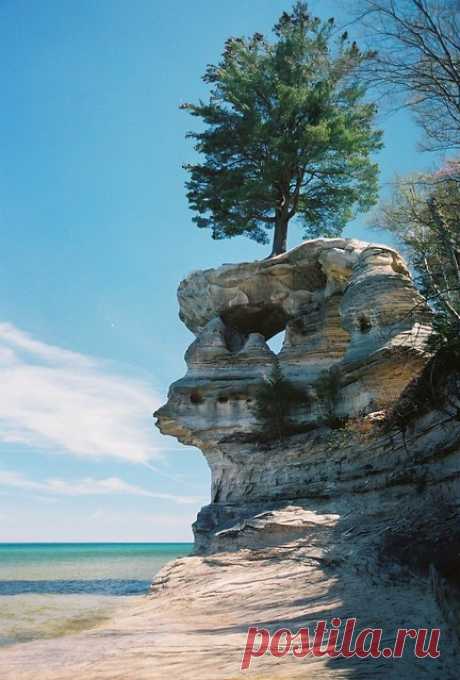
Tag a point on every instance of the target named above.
point(341, 302)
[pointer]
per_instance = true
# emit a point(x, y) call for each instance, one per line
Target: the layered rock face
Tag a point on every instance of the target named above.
point(342, 521)
point(325, 523)
point(349, 521)
point(342, 303)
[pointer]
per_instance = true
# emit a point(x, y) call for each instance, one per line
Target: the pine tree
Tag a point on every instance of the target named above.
point(287, 133)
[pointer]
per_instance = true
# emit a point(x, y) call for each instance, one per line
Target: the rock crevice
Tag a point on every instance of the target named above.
point(342, 303)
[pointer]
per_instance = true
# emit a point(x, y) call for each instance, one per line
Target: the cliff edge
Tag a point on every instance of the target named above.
point(371, 512)
point(349, 515)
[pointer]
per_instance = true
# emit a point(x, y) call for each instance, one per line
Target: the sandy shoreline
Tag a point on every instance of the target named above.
point(193, 626)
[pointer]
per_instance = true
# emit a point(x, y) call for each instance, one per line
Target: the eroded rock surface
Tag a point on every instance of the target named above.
point(325, 523)
point(314, 560)
point(342, 303)
point(358, 511)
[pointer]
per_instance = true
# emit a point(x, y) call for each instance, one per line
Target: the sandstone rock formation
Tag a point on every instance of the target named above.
point(313, 561)
point(367, 510)
point(342, 303)
point(324, 523)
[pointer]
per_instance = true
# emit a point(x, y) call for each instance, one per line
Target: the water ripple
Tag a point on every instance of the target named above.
point(72, 587)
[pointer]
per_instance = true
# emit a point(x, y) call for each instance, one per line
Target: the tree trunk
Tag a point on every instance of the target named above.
point(280, 236)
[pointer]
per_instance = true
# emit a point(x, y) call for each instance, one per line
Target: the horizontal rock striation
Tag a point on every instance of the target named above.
point(351, 522)
point(391, 476)
point(343, 304)
point(340, 517)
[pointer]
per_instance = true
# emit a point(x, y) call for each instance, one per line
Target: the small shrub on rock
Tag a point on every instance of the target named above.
point(274, 402)
point(327, 390)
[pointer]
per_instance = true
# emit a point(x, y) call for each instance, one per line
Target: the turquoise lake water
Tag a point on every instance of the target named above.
point(47, 590)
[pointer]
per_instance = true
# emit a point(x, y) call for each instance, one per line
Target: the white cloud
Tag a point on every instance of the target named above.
point(39, 522)
point(61, 400)
point(86, 487)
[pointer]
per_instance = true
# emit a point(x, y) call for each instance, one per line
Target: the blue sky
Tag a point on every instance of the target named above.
point(95, 236)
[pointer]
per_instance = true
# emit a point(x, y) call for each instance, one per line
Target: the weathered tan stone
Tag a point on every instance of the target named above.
point(295, 530)
point(342, 303)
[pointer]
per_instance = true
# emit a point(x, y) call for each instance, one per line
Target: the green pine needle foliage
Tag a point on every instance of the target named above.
point(286, 132)
point(327, 389)
point(274, 403)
